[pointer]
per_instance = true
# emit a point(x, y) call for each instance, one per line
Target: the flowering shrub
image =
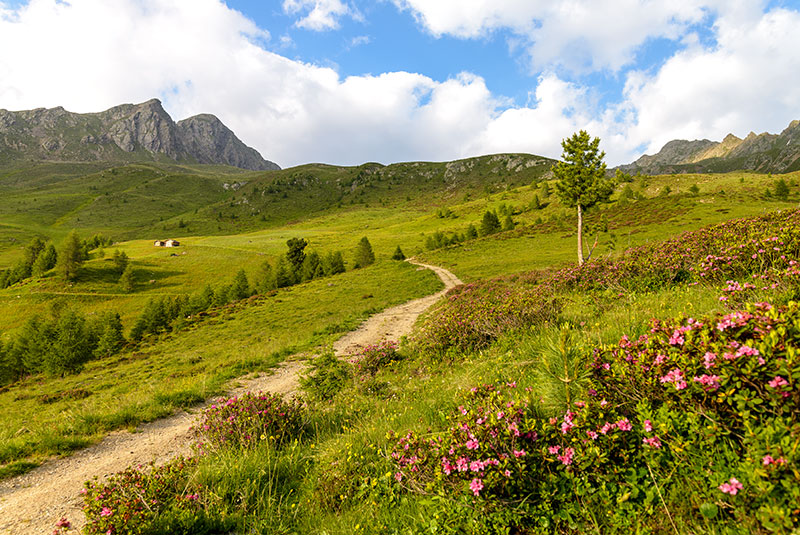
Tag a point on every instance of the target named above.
point(130, 501)
point(244, 421)
point(474, 315)
point(374, 357)
point(709, 405)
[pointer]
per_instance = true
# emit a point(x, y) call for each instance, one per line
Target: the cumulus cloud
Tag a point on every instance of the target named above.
point(320, 15)
point(199, 56)
point(578, 35)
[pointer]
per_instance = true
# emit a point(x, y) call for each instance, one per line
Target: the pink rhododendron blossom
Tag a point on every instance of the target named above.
point(653, 442)
point(709, 382)
point(592, 435)
point(553, 449)
point(476, 486)
point(472, 444)
point(732, 487)
point(777, 382)
point(708, 360)
point(648, 426)
point(566, 457)
point(105, 511)
point(624, 425)
point(519, 453)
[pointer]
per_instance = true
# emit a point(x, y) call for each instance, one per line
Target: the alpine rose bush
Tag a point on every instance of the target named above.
point(249, 419)
point(654, 411)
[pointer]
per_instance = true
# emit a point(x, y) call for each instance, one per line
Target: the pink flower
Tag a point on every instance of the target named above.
point(553, 449)
point(778, 382)
point(519, 453)
point(398, 476)
point(507, 473)
point(767, 460)
point(653, 442)
point(709, 382)
point(105, 511)
point(476, 486)
point(63, 523)
point(708, 359)
point(566, 458)
point(592, 435)
point(660, 359)
point(472, 444)
point(624, 425)
point(648, 425)
point(462, 464)
point(732, 487)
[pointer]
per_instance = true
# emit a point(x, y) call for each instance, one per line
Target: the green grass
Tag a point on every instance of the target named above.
point(177, 370)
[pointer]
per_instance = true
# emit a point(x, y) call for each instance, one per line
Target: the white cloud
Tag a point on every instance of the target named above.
point(199, 56)
point(579, 35)
point(321, 14)
point(748, 81)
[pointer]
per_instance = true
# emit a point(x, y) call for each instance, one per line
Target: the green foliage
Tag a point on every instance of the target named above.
point(490, 224)
point(70, 257)
point(295, 255)
point(398, 254)
point(120, 260)
point(240, 289)
point(363, 255)
point(250, 419)
point(45, 261)
point(312, 267)
point(471, 232)
point(581, 175)
point(781, 189)
point(327, 377)
point(694, 189)
point(508, 223)
point(333, 263)
point(126, 280)
point(109, 335)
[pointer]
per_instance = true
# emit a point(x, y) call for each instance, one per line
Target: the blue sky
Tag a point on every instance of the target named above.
point(349, 81)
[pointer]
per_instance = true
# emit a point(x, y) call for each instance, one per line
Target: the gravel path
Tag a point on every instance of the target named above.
point(32, 503)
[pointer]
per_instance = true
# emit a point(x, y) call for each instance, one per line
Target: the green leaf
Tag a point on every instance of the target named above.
point(709, 510)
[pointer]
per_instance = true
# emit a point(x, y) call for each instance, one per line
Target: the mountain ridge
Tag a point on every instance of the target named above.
point(124, 133)
point(765, 152)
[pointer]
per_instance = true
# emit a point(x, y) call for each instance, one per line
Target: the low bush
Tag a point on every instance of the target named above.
point(248, 420)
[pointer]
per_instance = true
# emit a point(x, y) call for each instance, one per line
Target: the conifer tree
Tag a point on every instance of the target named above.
point(398, 254)
point(472, 232)
point(310, 265)
point(45, 261)
point(781, 189)
point(283, 274)
point(126, 280)
point(581, 175)
point(295, 255)
point(70, 257)
point(240, 289)
point(508, 223)
point(110, 338)
point(334, 263)
point(490, 223)
point(265, 280)
point(363, 256)
point(120, 260)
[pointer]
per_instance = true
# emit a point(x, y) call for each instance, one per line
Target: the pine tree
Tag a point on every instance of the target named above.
point(283, 274)
point(120, 260)
point(781, 189)
point(45, 261)
point(508, 223)
point(265, 280)
point(72, 347)
point(310, 265)
point(295, 254)
point(398, 254)
point(70, 257)
point(363, 255)
point(110, 338)
point(126, 280)
point(240, 289)
point(581, 175)
point(490, 223)
point(472, 232)
point(334, 263)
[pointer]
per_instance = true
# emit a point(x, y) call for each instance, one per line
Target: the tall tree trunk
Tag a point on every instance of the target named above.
point(580, 235)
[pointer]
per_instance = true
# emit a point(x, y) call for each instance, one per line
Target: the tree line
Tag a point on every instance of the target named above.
point(65, 341)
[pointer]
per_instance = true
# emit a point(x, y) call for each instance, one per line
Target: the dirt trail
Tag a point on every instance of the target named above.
point(32, 503)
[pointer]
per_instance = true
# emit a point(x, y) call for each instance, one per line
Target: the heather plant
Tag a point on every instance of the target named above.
point(474, 315)
point(373, 357)
point(694, 425)
point(248, 420)
point(145, 500)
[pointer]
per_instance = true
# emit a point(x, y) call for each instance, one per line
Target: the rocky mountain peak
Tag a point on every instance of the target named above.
point(128, 132)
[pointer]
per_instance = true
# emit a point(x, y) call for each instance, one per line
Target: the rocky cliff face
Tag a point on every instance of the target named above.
point(774, 153)
point(130, 132)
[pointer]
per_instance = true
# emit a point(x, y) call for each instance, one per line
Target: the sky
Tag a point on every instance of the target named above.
point(352, 81)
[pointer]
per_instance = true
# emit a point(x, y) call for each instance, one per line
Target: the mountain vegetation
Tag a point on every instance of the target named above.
point(766, 153)
point(653, 389)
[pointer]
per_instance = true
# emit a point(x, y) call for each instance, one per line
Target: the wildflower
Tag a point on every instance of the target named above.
point(624, 425)
point(648, 426)
point(777, 382)
point(105, 511)
point(592, 435)
point(472, 444)
point(732, 487)
point(566, 457)
point(553, 449)
point(708, 359)
point(476, 486)
point(654, 442)
point(709, 382)
point(398, 476)
point(519, 453)
point(63, 523)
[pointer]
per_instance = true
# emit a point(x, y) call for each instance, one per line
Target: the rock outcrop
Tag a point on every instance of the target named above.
point(130, 132)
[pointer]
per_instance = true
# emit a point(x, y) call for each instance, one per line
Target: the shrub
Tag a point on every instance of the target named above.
point(374, 357)
point(328, 376)
point(247, 420)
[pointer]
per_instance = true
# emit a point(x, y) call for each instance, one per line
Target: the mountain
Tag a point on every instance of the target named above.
point(127, 133)
point(767, 153)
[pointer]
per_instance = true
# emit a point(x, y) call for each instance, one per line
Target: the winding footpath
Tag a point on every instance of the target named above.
point(32, 503)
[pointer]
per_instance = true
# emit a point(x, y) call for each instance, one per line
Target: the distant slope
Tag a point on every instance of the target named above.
point(142, 200)
point(767, 153)
point(127, 133)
